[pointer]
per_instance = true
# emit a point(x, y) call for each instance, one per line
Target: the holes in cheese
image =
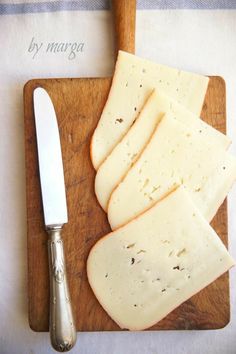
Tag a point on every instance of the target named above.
point(176, 154)
point(133, 81)
point(127, 151)
point(143, 287)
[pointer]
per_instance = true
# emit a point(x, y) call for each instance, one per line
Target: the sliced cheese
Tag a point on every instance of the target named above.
point(133, 82)
point(176, 154)
point(144, 270)
point(127, 151)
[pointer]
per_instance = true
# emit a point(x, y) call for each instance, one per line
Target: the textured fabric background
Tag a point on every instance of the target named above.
point(17, 7)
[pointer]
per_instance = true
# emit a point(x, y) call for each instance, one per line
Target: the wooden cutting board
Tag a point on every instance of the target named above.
point(78, 104)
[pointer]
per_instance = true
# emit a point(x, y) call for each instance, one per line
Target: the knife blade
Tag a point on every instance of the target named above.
point(61, 322)
point(50, 160)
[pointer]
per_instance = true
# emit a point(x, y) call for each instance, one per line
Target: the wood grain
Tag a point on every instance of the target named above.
point(78, 103)
point(124, 14)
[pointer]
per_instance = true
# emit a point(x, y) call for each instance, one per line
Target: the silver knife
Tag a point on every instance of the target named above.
point(61, 322)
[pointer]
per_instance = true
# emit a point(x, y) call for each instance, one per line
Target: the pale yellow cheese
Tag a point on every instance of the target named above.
point(144, 270)
point(127, 151)
point(133, 82)
point(175, 154)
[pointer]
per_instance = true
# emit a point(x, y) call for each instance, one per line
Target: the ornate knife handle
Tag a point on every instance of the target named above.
point(61, 322)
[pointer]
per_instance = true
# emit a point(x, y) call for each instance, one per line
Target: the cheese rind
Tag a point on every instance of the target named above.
point(176, 154)
point(127, 151)
point(142, 271)
point(133, 81)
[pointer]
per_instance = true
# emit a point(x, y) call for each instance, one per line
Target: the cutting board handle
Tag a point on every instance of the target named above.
point(124, 12)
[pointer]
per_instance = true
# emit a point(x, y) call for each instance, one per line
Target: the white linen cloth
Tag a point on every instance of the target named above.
point(197, 40)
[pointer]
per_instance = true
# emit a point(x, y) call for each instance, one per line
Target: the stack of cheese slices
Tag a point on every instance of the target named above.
point(162, 174)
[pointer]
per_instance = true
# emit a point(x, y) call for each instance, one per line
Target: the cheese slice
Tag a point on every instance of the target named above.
point(127, 151)
point(133, 81)
point(176, 154)
point(144, 270)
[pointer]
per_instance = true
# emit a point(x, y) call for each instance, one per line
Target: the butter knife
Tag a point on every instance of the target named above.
point(61, 322)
